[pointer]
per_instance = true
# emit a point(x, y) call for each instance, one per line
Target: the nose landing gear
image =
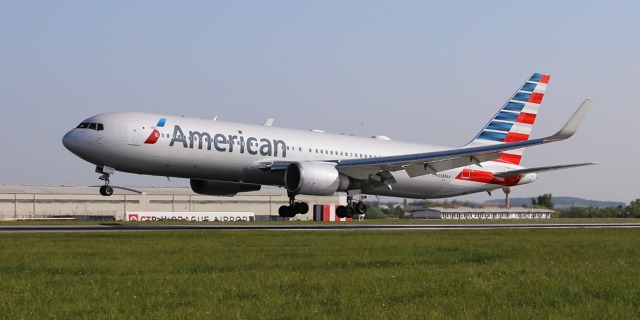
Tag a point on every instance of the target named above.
point(105, 190)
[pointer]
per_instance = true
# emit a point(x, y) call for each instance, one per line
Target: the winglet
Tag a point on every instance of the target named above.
point(572, 125)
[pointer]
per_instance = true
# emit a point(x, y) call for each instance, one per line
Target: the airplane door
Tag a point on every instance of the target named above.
point(135, 133)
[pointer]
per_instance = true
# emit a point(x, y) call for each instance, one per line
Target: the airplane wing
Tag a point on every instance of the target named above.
point(540, 169)
point(433, 162)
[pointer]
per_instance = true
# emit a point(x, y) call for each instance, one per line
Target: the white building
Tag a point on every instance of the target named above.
point(24, 202)
point(482, 213)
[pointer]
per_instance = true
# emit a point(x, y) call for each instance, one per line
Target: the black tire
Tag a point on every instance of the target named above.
point(360, 207)
point(341, 212)
point(350, 212)
point(283, 211)
point(102, 192)
point(108, 191)
point(292, 211)
point(302, 207)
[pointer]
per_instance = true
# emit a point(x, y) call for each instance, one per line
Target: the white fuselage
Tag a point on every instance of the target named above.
point(225, 151)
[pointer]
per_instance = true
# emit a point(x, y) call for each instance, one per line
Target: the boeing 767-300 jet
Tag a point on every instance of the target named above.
point(224, 158)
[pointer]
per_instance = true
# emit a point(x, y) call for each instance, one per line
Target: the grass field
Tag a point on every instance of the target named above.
point(503, 274)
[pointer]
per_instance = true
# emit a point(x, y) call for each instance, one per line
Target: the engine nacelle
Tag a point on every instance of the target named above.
point(221, 188)
point(314, 178)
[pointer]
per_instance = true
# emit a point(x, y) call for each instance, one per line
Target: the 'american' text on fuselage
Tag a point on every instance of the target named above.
point(225, 143)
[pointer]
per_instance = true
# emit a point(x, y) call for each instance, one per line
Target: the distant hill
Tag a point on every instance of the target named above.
point(561, 202)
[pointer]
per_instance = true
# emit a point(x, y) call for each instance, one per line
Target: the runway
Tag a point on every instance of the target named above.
point(115, 227)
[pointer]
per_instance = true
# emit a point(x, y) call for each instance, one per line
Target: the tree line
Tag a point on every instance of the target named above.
point(630, 211)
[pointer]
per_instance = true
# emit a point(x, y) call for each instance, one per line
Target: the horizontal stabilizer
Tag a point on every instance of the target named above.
point(540, 169)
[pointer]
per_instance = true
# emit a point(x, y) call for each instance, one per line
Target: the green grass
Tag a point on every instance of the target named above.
point(508, 274)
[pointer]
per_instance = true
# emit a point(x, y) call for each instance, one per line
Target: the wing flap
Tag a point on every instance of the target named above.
point(433, 167)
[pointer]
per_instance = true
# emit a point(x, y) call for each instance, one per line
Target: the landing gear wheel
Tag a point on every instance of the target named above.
point(360, 207)
point(341, 212)
point(350, 212)
point(301, 207)
point(106, 191)
point(285, 212)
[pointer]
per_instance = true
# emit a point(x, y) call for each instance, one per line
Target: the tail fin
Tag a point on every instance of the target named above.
point(515, 119)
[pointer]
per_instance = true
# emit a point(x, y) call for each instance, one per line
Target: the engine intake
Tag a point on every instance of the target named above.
point(221, 188)
point(314, 178)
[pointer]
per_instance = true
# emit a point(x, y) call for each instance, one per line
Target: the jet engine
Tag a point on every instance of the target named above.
point(221, 188)
point(314, 178)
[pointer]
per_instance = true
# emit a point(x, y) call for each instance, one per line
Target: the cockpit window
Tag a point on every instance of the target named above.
point(92, 126)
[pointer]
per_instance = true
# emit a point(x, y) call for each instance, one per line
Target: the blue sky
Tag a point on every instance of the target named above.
point(411, 70)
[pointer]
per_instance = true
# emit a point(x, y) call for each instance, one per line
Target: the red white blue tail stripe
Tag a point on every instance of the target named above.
point(514, 121)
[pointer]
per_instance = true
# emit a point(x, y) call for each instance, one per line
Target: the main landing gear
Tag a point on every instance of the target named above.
point(293, 208)
point(105, 190)
point(352, 208)
point(349, 211)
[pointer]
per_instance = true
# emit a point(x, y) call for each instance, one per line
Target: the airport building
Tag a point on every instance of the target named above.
point(84, 203)
point(463, 213)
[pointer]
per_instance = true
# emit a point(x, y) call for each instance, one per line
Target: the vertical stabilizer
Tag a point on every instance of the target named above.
point(515, 119)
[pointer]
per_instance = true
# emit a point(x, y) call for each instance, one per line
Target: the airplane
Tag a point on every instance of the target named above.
point(225, 158)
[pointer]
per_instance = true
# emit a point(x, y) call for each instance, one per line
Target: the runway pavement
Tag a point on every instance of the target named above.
point(115, 227)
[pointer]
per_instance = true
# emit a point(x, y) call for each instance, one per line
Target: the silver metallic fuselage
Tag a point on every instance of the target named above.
point(225, 151)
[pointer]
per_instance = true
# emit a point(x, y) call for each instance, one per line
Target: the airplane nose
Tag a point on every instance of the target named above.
point(70, 141)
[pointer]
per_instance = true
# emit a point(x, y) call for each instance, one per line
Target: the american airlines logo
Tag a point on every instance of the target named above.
point(155, 135)
point(228, 143)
